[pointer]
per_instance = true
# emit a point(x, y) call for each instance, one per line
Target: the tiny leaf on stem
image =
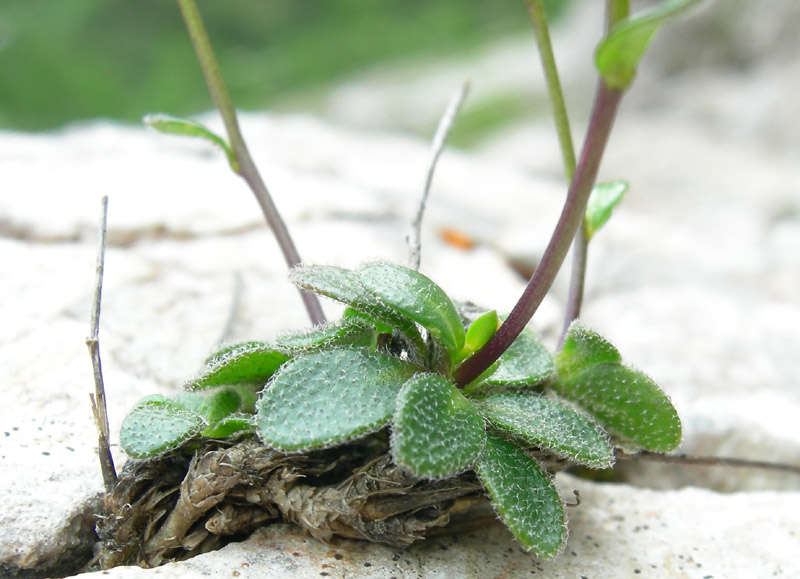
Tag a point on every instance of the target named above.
point(189, 128)
point(523, 496)
point(618, 55)
point(437, 432)
point(602, 200)
point(329, 397)
point(478, 333)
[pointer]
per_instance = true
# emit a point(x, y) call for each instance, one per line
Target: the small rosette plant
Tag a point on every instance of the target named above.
point(390, 363)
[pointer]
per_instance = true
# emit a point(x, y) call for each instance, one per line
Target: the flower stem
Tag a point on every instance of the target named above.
point(604, 111)
point(247, 168)
point(616, 10)
point(555, 94)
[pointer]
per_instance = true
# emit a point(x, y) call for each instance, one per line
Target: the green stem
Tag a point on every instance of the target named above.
point(247, 168)
point(616, 10)
point(603, 113)
point(556, 95)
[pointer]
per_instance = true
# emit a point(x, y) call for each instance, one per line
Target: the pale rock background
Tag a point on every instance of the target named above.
point(696, 280)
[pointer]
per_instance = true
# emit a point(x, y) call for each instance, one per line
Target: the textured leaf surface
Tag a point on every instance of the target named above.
point(353, 332)
point(582, 349)
point(344, 285)
point(436, 432)
point(188, 128)
point(246, 363)
point(523, 496)
point(628, 404)
point(618, 55)
point(416, 297)
point(525, 362)
point(329, 397)
point(602, 200)
point(545, 423)
point(156, 426)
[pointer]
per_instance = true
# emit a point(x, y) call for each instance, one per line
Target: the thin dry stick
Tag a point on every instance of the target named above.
point(414, 238)
point(724, 461)
point(98, 399)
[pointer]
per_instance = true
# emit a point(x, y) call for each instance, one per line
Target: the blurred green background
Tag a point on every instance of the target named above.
point(68, 60)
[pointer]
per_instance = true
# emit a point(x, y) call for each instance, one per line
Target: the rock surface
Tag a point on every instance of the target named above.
point(695, 280)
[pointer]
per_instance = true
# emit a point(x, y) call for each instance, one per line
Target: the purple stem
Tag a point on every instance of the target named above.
point(604, 111)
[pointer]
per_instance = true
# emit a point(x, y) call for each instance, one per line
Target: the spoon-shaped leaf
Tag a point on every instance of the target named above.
point(437, 432)
point(628, 403)
point(416, 297)
point(246, 363)
point(547, 424)
point(158, 425)
point(189, 128)
point(602, 200)
point(619, 54)
point(523, 496)
point(329, 397)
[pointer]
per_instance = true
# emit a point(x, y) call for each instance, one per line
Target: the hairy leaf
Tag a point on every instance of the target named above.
point(523, 496)
point(344, 285)
point(547, 424)
point(245, 363)
point(618, 55)
point(329, 397)
point(602, 200)
point(156, 426)
point(189, 128)
point(628, 404)
point(414, 296)
point(353, 332)
point(437, 432)
point(582, 349)
point(525, 363)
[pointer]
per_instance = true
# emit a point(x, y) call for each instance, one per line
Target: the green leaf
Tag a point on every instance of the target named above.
point(628, 403)
point(228, 426)
point(329, 397)
point(547, 424)
point(523, 496)
point(157, 426)
point(602, 200)
point(416, 297)
point(479, 332)
point(344, 285)
point(437, 432)
point(584, 348)
point(525, 364)
point(618, 55)
point(219, 404)
point(245, 363)
point(189, 128)
point(353, 332)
